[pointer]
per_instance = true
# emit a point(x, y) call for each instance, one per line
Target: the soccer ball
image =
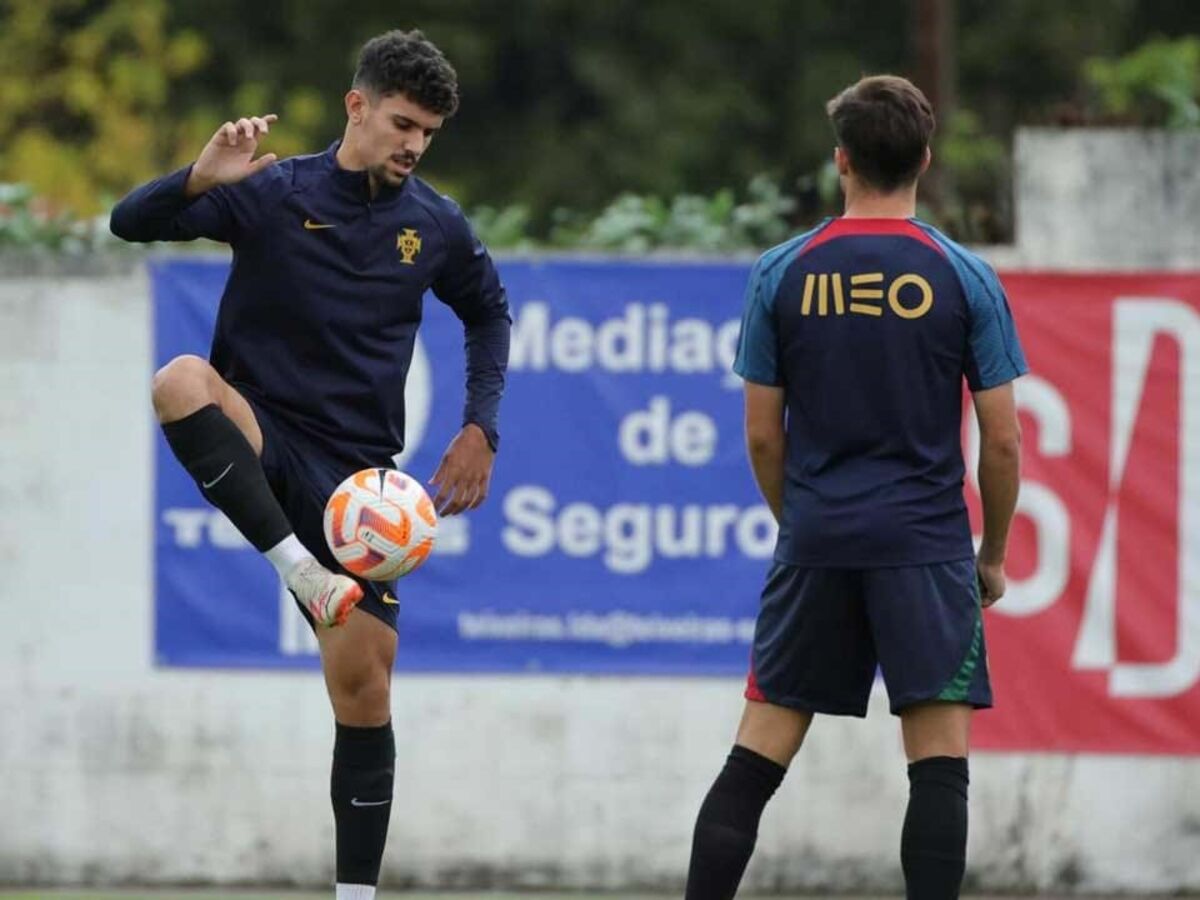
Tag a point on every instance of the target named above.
point(380, 524)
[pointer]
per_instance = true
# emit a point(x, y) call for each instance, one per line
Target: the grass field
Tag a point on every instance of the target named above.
point(399, 895)
point(403, 895)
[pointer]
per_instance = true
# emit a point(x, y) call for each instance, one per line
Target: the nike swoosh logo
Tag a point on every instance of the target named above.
point(310, 225)
point(354, 801)
point(207, 484)
point(389, 599)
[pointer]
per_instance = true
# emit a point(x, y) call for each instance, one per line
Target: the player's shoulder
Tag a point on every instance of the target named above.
point(278, 179)
point(310, 162)
point(441, 206)
point(304, 171)
point(781, 254)
point(770, 267)
point(973, 270)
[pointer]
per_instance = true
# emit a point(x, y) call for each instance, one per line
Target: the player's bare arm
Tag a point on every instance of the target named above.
point(228, 157)
point(464, 473)
point(766, 441)
point(999, 481)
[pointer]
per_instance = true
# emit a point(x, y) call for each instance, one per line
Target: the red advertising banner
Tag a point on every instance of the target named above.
point(1096, 647)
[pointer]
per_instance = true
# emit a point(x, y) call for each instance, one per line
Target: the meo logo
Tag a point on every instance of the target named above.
point(867, 294)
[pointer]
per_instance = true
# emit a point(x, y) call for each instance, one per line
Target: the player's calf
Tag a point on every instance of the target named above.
point(216, 451)
point(361, 785)
point(357, 661)
point(933, 844)
point(229, 474)
point(727, 826)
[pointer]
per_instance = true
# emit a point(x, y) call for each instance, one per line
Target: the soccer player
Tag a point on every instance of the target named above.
point(332, 254)
point(855, 341)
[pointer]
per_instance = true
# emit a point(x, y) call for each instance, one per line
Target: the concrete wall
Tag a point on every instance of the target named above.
point(1107, 199)
point(117, 772)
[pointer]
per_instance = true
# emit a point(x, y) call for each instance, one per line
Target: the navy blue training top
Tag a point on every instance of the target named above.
point(320, 312)
point(870, 326)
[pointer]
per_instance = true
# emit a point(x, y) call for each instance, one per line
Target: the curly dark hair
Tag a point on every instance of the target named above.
point(406, 62)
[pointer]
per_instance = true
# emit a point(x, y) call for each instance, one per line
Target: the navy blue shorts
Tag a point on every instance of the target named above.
point(822, 632)
point(302, 479)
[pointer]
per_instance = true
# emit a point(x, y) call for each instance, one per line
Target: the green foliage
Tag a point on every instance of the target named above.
point(974, 167)
point(504, 228)
point(968, 152)
point(84, 95)
point(632, 223)
point(1156, 84)
point(30, 223)
point(568, 105)
point(640, 223)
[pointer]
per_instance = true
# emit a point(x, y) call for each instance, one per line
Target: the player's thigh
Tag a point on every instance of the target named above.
point(775, 732)
point(812, 644)
point(936, 729)
point(188, 383)
point(357, 660)
point(303, 478)
point(927, 625)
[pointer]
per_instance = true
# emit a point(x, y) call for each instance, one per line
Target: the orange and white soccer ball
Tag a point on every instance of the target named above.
point(380, 524)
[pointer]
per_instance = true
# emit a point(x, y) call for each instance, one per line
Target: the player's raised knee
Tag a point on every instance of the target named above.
point(184, 385)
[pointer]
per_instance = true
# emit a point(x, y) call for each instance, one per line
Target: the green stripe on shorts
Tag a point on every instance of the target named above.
point(956, 690)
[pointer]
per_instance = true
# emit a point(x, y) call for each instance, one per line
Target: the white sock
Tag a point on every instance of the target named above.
point(355, 892)
point(284, 556)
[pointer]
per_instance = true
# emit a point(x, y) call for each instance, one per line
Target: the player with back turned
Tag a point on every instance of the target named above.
point(332, 254)
point(855, 341)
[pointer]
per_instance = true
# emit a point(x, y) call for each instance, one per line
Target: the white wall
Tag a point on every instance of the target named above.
point(1108, 199)
point(114, 771)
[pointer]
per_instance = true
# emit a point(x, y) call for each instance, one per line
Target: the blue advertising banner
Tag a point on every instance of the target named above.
point(623, 533)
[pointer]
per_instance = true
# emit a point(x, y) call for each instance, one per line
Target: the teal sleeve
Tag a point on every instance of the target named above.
point(758, 344)
point(994, 354)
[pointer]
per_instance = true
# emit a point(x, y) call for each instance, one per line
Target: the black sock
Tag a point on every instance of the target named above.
point(933, 845)
point(229, 474)
point(728, 824)
point(361, 788)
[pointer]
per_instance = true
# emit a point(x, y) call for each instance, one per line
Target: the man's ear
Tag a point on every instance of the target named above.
point(357, 105)
point(841, 159)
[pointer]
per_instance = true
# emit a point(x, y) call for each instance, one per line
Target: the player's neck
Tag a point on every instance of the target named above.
point(864, 204)
point(349, 159)
point(347, 155)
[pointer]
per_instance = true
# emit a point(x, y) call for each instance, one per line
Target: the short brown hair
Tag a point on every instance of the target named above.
point(884, 124)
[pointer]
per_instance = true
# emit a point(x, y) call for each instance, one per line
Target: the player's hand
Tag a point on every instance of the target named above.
point(463, 476)
point(991, 581)
point(228, 157)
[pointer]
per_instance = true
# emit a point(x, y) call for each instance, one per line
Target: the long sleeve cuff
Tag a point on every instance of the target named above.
point(487, 343)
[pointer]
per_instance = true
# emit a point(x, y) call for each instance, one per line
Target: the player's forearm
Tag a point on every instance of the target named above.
point(149, 212)
point(767, 462)
point(999, 483)
point(487, 343)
